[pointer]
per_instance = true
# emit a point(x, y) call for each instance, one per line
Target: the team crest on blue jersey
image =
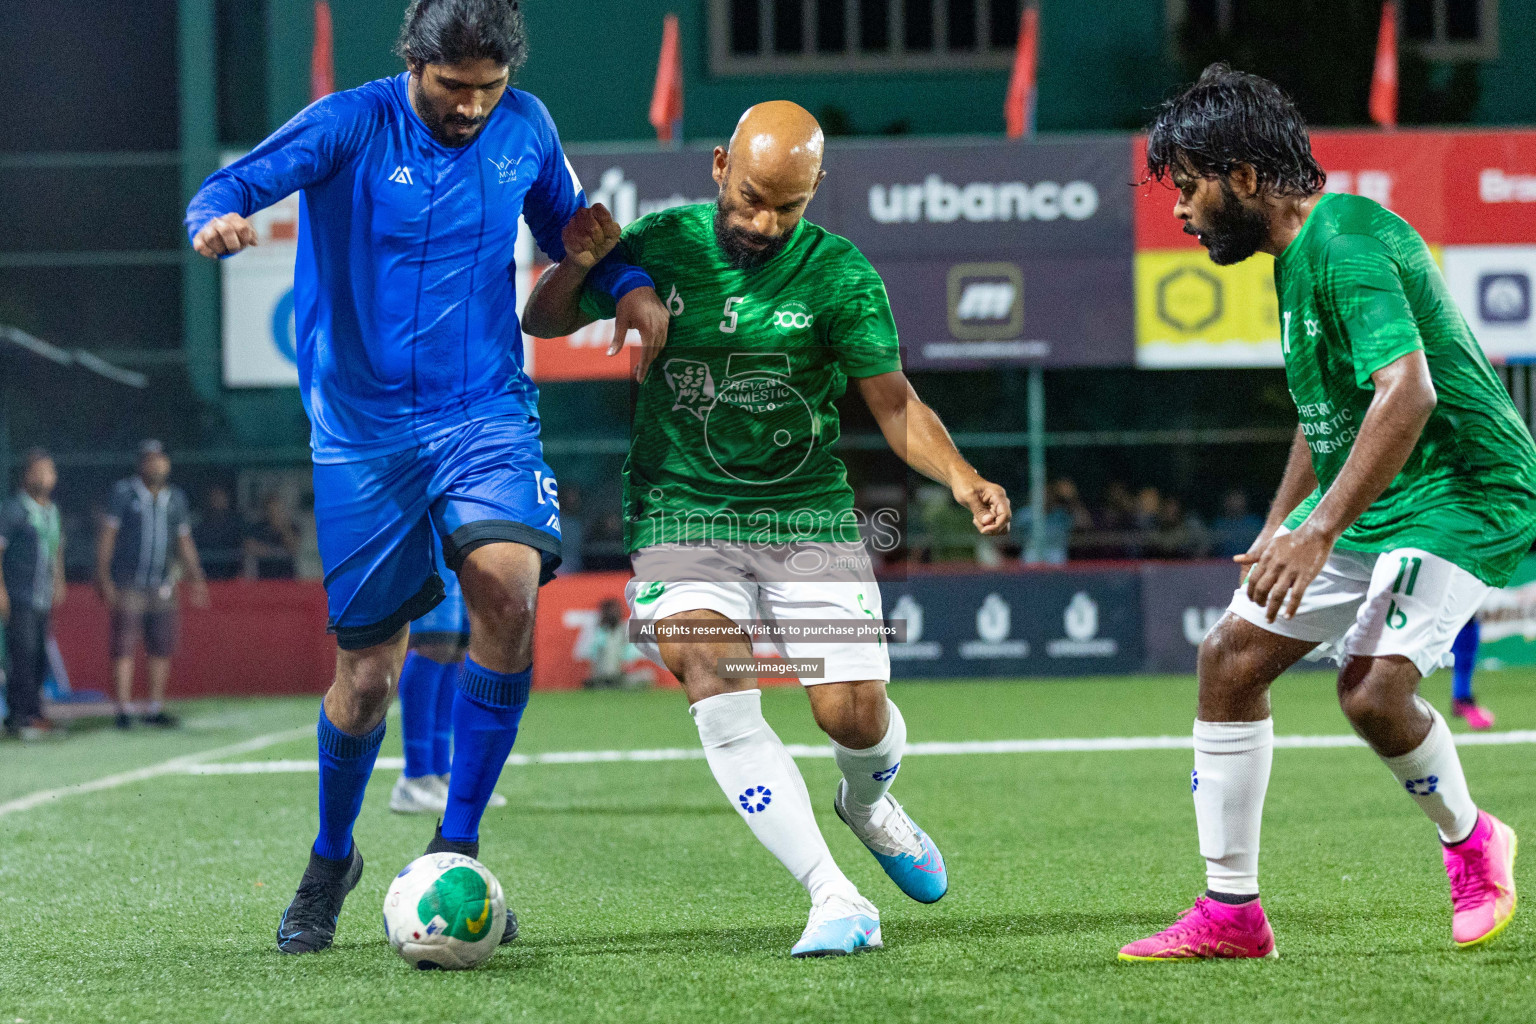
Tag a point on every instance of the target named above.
point(506, 169)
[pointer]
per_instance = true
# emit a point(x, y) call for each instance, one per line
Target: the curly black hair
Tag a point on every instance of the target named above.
point(1229, 118)
point(455, 31)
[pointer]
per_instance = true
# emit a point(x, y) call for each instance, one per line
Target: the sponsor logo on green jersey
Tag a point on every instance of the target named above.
point(792, 317)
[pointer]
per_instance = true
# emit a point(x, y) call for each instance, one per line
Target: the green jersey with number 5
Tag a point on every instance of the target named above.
point(1358, 290)
point(734, 425)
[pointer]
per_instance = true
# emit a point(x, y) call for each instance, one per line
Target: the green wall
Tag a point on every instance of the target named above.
point(595, 71)
point(1509, 83)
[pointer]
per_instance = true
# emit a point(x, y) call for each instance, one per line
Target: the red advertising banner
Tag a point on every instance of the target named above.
point(580, 356)
point(1470, 194)
point(1454, 187)
point(568, 611)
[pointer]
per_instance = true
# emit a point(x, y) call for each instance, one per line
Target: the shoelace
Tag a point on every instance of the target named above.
point(831, 909)
point(1190, 918)
point(1469, 879)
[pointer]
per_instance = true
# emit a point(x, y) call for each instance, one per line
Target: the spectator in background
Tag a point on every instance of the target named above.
point(1233, 532)
point(271, 542)
point(1119, 511)
point(608, 648)
point(137, 578)
point(1180, 534)
point(219, 535)
point(31, 586)
point(1065, 514)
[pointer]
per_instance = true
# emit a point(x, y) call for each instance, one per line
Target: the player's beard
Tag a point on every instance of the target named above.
point(740, 252)
point(439, 129)
point(1236, 231)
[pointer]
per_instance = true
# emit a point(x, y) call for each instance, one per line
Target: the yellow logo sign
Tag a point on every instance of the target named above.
point(1190, 312)
point(478, 924)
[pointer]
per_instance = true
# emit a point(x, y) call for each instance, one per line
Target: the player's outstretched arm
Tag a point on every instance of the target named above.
point(224, 236)
point(301, 153)
point(1402, 404)
point(554, 306)
point(915, 433)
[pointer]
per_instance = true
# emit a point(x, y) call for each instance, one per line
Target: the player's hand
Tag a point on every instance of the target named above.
point(224, 236)
point(642, 310)
point(108, 591)
point(1286, 567)
point(1250, 558)
point(60, 593)
point(991, 513)
point(589, 235)
point(5, 606)
point(197, 593)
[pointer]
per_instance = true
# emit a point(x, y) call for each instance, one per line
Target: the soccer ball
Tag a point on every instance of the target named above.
point(445, 911)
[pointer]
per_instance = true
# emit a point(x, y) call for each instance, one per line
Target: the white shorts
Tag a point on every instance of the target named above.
point(748, 583)
point(1405, 602)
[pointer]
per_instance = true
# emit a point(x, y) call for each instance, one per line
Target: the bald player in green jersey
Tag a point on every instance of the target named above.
point(1409, 494)
point(737, 511)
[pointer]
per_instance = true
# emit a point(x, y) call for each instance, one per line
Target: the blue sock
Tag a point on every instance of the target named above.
point(1465, 650)
point(442, 721)
point(346, 761)
point(418, 710)
point(486, 711)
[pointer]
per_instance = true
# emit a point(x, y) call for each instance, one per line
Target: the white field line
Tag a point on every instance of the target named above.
point(1109, 743)
point(203, 763)
point(175, 766)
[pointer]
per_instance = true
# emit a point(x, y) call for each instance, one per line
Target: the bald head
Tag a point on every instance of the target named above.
point(779, 143)
point(767, 175)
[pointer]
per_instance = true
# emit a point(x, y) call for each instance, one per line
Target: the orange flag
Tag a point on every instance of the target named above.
point(667, 98)
point(322, 61)
point(1384, 77)
point(1019, 107)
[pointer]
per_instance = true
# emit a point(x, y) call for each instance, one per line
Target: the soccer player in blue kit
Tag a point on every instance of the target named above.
point(410, 368)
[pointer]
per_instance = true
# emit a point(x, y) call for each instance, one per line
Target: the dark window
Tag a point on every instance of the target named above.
point(788, 26)
point(1419, 19)
point(919, 24)
point(1004, 24)
point(745, 37)
point(962, 24)
point(831, 26)
point(1461, 20)
point(1202, 16)
point(874, 24)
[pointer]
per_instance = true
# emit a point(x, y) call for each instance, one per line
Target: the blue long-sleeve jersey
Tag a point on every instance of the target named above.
point(405, 301)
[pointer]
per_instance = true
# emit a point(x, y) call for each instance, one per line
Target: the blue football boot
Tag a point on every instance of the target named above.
point(840, 925)
point(903, 850)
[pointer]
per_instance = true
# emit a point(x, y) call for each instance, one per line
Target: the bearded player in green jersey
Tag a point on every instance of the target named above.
point(738, 514)
point(1409, 494)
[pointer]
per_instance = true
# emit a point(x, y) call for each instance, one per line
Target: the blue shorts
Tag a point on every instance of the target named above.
point(450, 619)
point(485, 482)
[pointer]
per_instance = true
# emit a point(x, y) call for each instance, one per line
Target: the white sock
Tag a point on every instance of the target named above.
point(870, 772)
point(1432, 775)
point(1232, 761)
point(764, 784)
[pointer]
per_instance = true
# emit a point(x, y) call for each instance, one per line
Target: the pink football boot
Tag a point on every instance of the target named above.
point(1210, 930)
point(1477, 717)
point(1482, 871)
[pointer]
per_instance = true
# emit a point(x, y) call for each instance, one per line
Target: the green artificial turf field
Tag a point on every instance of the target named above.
point(643, 897)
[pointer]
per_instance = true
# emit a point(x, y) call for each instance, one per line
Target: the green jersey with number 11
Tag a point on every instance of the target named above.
point(734, 425)
point(1358, 290)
